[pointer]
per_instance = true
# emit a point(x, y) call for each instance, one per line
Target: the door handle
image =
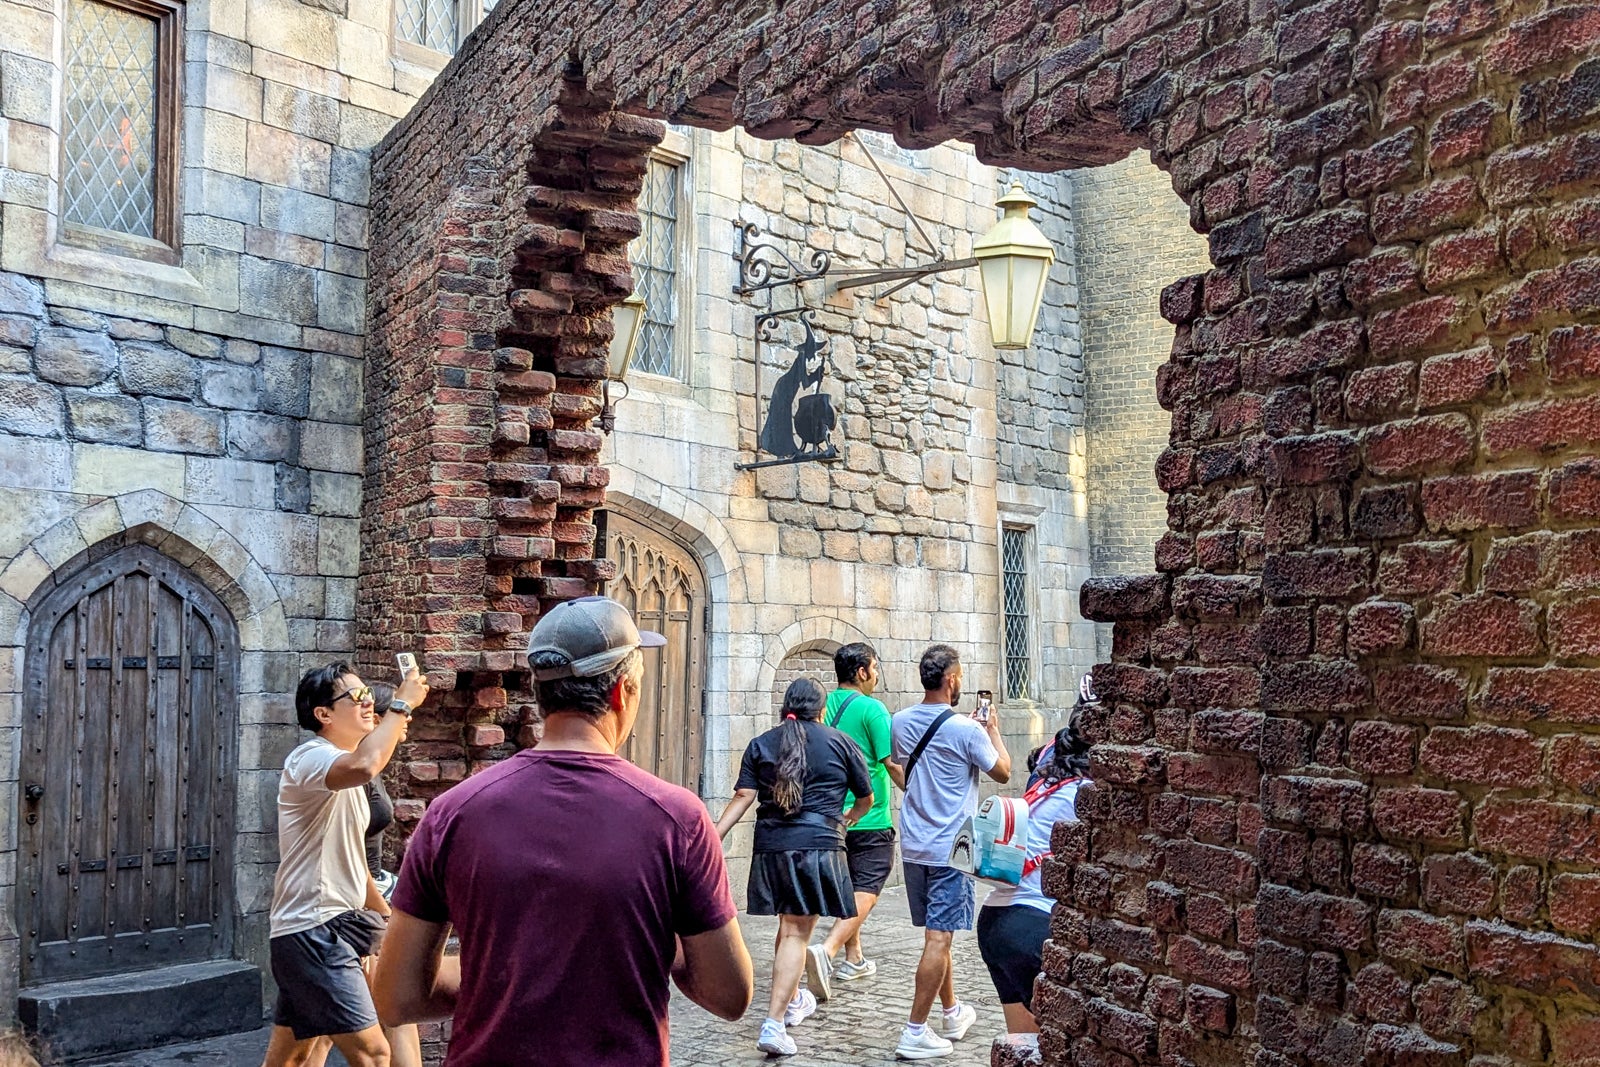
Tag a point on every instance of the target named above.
point(34, 793)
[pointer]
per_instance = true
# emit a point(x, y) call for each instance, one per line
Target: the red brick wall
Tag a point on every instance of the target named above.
point(1349, 734)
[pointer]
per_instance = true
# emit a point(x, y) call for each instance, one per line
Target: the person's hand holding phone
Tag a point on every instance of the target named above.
point(413, 687)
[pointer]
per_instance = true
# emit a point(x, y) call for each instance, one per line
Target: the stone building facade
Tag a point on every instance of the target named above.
point(191, 378)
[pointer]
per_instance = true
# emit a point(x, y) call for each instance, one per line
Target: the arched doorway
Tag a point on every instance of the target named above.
point(128, 780)
point(661, 583)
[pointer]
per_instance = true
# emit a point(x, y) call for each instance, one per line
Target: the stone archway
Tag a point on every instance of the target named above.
point(1339, 811)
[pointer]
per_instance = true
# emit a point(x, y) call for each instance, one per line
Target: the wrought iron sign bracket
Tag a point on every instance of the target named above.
point(800, 419)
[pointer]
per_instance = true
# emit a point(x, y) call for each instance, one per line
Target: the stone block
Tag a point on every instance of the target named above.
point(278, 290)
point(158, 370)
point(350, 225)
point(336, 389)
point(281, 158)
point(26, 89)
point(18, 330)
point(233, 92)
point(21, 296)
point(108, 418)
point(227, 196)
point(333, 447)
point(201, 345)
point(339, 547)
point(264, 438)
point(233, 482)
point(31, 408)
point(286, 381)
point(228, 385)
point(99, 1016)
point(341, 302)
point(292, 488)
point(73, 357)
point(301, 111)
point(335, 494)
point(352, 176)
point(294, 211)
point(175, 427)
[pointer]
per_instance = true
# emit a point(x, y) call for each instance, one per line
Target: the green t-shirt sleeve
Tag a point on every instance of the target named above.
point(877, 728)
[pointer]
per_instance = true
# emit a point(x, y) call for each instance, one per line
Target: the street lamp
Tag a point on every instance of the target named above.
point(1014, 261)
point(626, 319)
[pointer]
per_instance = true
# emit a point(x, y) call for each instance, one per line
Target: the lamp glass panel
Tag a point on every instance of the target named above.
point(625, 321)
point(1027, 289)
point(996, 276)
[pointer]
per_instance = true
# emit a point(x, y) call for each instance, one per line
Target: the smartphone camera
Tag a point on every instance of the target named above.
point(985, 704)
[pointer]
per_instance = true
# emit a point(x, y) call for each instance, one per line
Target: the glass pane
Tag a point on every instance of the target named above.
point(430, 23)
point(654, 254)
point(1014, 587)
point(109, 119)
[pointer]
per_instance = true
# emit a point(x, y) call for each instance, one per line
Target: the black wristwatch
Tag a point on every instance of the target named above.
point(400, 707)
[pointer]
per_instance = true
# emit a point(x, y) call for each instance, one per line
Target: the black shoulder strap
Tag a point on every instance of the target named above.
point(839, 714)
point(933, 728)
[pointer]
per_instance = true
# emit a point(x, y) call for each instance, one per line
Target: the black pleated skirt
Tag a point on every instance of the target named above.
point(801, 882)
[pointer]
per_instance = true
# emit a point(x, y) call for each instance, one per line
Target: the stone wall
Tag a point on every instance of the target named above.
point(210, 406)
point(1381, 504)
point(1134, 237)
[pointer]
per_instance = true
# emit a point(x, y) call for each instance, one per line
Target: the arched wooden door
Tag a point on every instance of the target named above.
point(128, 773)
point(660, 582)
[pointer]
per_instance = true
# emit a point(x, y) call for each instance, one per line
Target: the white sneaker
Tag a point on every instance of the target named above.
point(845, 971)
point(800, 1008)
point(818, 969)
point(924, 1046)
point(773, 1041)
point(955, 1027)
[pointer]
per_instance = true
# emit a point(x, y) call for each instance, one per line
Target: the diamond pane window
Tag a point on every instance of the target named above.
point(433, 24)
point(111, 118)
point(655, 268)
point(1015, 591)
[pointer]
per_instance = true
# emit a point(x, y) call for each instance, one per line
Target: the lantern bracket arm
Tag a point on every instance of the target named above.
point(906, 275)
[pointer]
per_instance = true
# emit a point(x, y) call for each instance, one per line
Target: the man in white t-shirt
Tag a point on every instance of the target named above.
point(943, 752)
point(323, 902)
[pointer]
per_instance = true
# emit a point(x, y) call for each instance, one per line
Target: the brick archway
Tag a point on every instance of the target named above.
point(1347, 739)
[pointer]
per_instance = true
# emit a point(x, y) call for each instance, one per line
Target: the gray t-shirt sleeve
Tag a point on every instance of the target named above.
point(981, 752)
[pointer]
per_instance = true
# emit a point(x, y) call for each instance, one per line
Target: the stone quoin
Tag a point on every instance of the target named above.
point(1341, 810)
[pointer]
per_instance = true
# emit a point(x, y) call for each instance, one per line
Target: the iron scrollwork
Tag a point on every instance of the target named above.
point(763, 265)
point(800, 417)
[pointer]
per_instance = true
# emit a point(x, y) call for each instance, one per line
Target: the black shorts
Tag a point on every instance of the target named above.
point(871, 856)
point(321, 989)
point(1011, 941)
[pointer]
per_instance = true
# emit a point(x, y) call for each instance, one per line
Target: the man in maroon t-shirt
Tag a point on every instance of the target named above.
point(575, 881)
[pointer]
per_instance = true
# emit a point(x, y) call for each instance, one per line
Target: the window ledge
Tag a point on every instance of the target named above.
point(29, 245)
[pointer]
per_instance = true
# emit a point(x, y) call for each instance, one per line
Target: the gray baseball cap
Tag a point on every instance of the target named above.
point(593, 634)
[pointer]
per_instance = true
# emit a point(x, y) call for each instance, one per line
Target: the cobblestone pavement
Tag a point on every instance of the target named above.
point(859, 1026)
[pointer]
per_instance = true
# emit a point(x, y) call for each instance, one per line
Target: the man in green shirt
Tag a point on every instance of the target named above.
point(869, 844)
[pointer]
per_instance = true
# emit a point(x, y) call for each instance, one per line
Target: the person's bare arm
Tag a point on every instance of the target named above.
point(713, 970)
point(858, 810)
point(372, 755)
point(1001, 771)
point(742, 799)
point(375, 901)
point(897, 773)
point(415, 981)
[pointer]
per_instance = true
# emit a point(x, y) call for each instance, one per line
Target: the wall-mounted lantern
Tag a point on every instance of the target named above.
point(1014, 262)
point(627, 318)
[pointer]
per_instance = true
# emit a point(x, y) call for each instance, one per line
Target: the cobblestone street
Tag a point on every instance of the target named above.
point(859, 1026)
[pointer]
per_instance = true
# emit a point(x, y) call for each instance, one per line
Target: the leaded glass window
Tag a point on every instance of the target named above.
point(434, 24)
point(111, 119)
point(655, 268)
point(1017, 596)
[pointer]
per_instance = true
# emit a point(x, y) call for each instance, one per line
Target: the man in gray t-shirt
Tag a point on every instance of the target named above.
point(941, 793)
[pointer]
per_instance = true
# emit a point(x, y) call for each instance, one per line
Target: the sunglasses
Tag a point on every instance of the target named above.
point(358, 696)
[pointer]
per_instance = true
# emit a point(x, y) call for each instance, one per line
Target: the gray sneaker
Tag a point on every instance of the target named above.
point(845, 971)
point(819, 968)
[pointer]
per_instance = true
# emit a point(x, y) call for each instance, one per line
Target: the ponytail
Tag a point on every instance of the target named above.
point(803, 702)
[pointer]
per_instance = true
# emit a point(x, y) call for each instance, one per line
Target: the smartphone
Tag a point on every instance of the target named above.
point(407, 662)
point(985, 702)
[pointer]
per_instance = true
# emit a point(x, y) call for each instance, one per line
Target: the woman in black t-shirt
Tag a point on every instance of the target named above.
point(800, 772)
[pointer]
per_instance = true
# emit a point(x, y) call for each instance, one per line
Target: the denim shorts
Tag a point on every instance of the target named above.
point(941, 898)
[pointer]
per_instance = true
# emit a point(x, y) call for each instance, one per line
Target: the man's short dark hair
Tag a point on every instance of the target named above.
point(585, 696)
point(317, 689)
point(851, 660)
point(937, 662)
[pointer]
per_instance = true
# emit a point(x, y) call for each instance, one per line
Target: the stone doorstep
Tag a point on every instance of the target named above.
point(97, 1016)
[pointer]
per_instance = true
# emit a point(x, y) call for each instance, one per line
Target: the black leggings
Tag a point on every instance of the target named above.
point(1011, 939)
